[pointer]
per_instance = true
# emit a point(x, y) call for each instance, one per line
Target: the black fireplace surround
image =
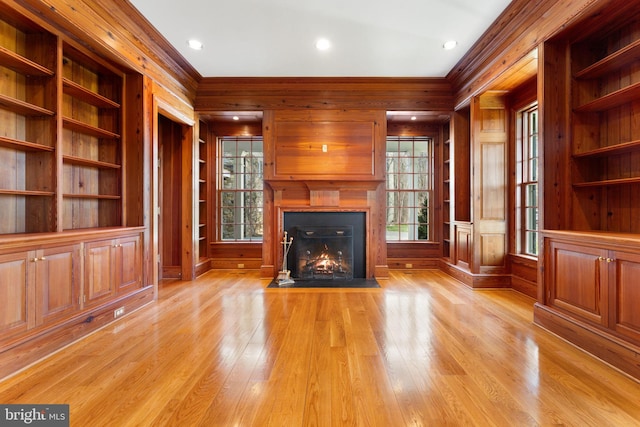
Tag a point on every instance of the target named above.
point(327, 246)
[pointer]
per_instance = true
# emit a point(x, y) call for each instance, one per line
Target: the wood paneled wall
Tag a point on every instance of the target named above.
point(489, 117)
point(385, 94)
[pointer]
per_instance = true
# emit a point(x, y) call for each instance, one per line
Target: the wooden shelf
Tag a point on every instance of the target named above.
point(620, 58)
point(22, 107)
point(611, 100)
point(83, 94)
point(26, 193)
point(81, 161)
point(612, 149)
point(607, 182)
point(22, 65)
point(85, 128)
point(22, 145)
point(91, 196)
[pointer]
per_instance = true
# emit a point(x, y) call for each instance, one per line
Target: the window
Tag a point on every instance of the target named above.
point(527, 181)
point(409, 188)
point(240, 186)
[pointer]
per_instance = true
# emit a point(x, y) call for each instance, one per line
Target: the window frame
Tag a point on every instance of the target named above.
point(527, 178)
point(414, 199)
point(239, 225)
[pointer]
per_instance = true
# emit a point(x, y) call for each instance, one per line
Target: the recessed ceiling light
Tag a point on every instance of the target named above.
point(414, 118)
point(450, 44)
point(236, 118)
point(323, 44)
point(195, 44)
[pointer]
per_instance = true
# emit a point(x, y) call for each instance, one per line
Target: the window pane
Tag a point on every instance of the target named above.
point(532, 195)
point(532, 243)
point(242, 181)
point(409, 182)
point(532, 218)
point(526, 195)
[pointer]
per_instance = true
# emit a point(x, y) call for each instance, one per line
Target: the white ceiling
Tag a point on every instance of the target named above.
point(276, 38)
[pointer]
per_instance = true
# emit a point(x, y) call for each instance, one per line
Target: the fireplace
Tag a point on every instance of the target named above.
point(326, 245)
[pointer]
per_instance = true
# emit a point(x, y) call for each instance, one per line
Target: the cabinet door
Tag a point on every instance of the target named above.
point(15, 272)
point(99, 272)
point(128, 254)
point(577, 280)
point(57, 282)
point(625, 294)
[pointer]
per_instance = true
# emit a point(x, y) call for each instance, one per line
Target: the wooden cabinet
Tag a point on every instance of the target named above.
point(38, 287)
point(15, 293)
point(624, 293)
point(594, 279)
point(577, 278)
point(57, 282)
point(128, 264)
point(111, 267)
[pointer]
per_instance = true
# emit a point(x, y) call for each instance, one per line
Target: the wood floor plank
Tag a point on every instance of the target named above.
point(422, 350)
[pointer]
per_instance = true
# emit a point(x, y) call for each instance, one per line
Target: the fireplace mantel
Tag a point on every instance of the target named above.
point(325, 185)
point(330, 160)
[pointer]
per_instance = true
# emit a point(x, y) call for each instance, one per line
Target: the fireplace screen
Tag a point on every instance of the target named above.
point(324, 253)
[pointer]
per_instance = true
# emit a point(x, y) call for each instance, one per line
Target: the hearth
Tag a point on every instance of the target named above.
point(326, 245)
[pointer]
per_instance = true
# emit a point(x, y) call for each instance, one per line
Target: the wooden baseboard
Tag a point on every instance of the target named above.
point(172, 272)
point(413, 263)
point(236, 263)
point(203, 266)
point(618, 353)
point(20, 354)
point(524, 286)
point(476, 281)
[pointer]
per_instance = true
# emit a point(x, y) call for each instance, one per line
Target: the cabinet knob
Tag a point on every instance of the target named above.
point(35, 259)
point(600, 258)
point(42, 258)
point(610, 259)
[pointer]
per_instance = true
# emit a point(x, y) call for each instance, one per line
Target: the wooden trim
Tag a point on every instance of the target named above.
point(476, 281)
point(116, 29)
point(323, 93)
point(620, 354)
point(517, 31)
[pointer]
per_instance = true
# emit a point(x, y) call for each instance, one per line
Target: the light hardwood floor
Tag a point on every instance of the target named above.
point(424, 350)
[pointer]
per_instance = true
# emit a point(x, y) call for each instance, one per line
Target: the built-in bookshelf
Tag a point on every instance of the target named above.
point(203, 191)
point(61, 140)
point(446, 191)
point(28, 107)
point(605, 142)
point(91, 141)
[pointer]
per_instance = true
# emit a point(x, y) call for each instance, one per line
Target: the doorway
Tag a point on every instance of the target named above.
point(173, 183)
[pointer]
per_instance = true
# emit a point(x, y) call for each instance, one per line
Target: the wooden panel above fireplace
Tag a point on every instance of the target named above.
point(322, 148)
point(324, 145)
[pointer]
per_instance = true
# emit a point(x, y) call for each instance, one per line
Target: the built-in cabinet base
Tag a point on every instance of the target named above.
point(63, 286)
point(618, 353)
